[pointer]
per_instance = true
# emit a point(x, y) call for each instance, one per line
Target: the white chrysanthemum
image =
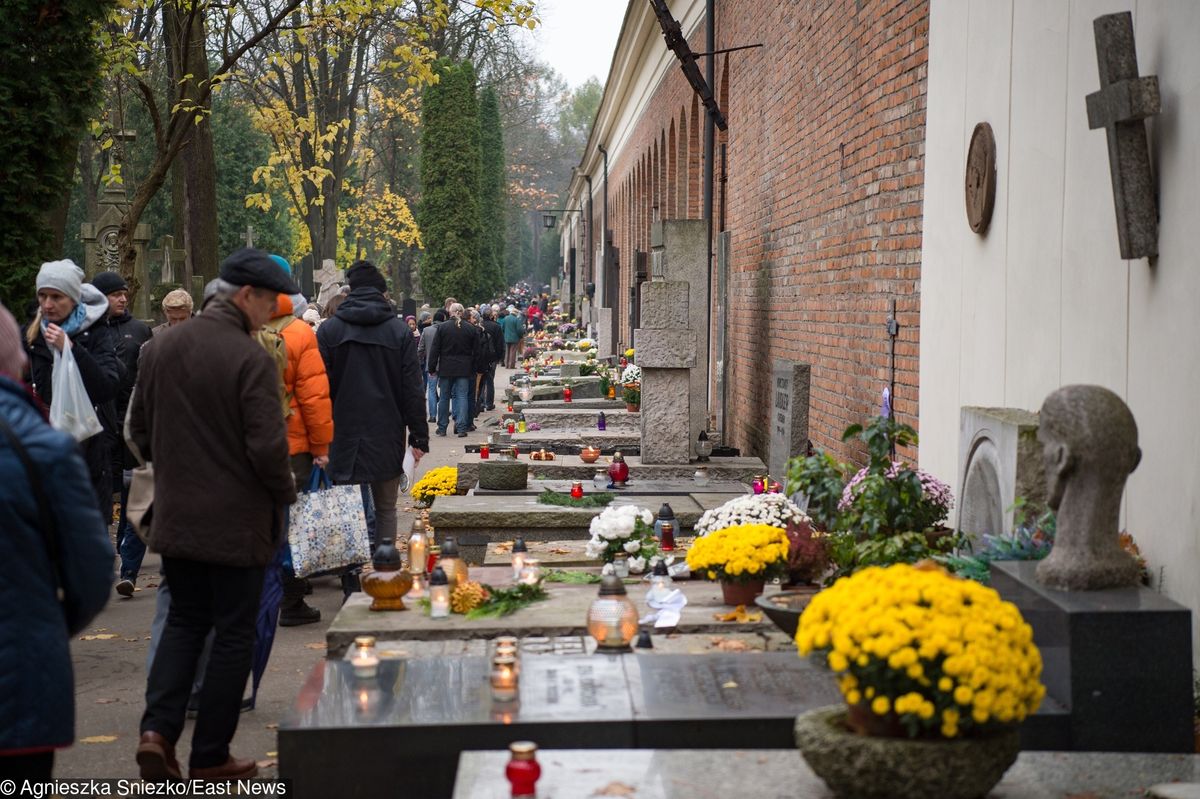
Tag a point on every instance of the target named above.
point(775, 510)
point(637, 565)
point(631, 546)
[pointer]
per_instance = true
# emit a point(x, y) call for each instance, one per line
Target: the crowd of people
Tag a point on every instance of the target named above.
point(232, 406)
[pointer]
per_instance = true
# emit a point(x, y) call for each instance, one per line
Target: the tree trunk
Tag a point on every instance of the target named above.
point(197, 162)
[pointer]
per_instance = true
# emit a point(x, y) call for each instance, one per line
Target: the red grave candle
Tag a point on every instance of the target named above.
point(566, 393)
point(523, 769)
point(484, 452)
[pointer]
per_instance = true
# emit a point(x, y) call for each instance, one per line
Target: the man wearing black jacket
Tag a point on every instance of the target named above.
point(493, 354)
point(129, 335)
point(452, 359)
point(377, 390)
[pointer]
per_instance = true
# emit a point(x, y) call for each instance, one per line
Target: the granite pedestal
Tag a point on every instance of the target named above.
point(1119, 660)
point(570, 467)
point(582, 420)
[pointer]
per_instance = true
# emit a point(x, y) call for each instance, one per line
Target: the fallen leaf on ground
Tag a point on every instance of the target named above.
point(274, 725)
point(106, 701)
point(148, 585)
point(100, 637)
point(131, 640)
point(616, 789)
point(560, 551)
point(729, 645)
point(267, 763)
point(500, 547)
point(147, 638)
point(315, 645)
point(272, 754)
point(98, 739)
point(739, 615)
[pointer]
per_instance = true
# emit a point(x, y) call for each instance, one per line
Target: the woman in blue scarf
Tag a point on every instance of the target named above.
point(68, 315)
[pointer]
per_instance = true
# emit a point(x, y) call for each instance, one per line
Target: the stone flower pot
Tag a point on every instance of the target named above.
point(864, 767)
point(503, 475)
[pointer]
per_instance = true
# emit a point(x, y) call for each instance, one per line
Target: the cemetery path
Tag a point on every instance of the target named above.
point(110, 661)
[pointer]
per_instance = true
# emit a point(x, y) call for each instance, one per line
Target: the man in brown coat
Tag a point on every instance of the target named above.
point(206, 412)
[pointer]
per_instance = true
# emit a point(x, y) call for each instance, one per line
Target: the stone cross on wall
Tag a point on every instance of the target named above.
point(248, 236)
point(1124, 100)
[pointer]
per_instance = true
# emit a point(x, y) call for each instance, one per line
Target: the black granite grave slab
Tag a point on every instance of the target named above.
point(724, 700)
point(404, 728)
point(1118, 660)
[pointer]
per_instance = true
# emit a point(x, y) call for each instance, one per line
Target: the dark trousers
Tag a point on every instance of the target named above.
point(130, 548)
point(204, 596)
point(35, 768)
point(487, 388)
point(510, 355)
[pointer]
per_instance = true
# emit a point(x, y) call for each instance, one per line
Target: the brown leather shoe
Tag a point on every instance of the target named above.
point(156, 758)
point(235, 768)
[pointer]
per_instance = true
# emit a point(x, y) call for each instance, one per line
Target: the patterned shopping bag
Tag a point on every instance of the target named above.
point(328, 529)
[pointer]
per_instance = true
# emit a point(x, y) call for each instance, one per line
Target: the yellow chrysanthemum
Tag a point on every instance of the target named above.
point(745, 551)
point(927, 647)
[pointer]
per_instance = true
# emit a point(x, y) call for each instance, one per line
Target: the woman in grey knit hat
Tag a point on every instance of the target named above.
point(69, 314)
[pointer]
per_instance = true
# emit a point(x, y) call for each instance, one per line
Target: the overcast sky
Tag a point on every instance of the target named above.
point(577, 37)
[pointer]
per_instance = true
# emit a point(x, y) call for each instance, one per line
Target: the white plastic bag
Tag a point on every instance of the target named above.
point(71, 409)
point(410, 467)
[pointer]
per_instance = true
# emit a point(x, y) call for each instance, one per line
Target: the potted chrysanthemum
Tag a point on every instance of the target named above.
point(742, 557)
point(936, 673)
point(623, 529)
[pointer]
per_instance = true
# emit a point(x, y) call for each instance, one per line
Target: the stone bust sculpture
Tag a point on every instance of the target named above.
point(1089, 445)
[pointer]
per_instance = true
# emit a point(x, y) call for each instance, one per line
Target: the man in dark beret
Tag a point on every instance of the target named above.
point(206, 411)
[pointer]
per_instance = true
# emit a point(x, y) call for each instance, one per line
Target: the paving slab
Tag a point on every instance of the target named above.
point(771, 773)
point(563, 614)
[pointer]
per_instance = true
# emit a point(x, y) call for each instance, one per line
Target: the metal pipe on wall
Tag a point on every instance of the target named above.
point(610, 296)
point(710, 35)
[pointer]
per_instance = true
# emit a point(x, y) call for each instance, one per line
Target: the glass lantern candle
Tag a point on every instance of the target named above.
point(418, 587)
point(660, 582)
point(439, 594)
point(600, 479)
point(418, 547)
point(452, 564)
point(566, 393)
point(618, 471)
point(531, 572)
point(621, 565)
point(511, 427)
point(612, 619)
point(523, 770)
point(521, 426)
point(484, 451)
point(668, 537)
point(577, 490)
point(704, 446)
point(504, 678)
point(612, 392)
point(519, 552)
point(757, 485)
point(665, 514)
point(365, 659)
point(601, 422)
point(701, 478)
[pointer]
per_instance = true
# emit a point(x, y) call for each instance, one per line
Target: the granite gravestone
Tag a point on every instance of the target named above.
point(666, 353)
point(999, 461)
point(789, 414)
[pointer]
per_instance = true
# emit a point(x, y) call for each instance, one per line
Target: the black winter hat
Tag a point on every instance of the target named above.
point(108, 282)
point(364, 273)
point(251, 267)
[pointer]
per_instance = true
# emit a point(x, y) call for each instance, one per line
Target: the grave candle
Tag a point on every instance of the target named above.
point(519, 553)
point(439, 594)
point(504, 679)
point(512, 428)
point(484, 452)
point(364, 659)
point(566, 393)
point(701, 478)
point(668, 537)
point(577, 490)
point(621, 565)
point(601, 422)
point(418, 588)
point(523, 769)
point(521, 423)
point(418, 548)
point(600, 479)
point(612, 392)
point(612, 619)
point(435, 553)
point(531, 572)
point(757, 485)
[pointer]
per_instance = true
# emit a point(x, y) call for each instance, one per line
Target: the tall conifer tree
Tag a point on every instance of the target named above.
point(449, 214)
point(492, 193)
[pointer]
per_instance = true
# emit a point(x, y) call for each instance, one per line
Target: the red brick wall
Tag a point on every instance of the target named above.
point(823, 200)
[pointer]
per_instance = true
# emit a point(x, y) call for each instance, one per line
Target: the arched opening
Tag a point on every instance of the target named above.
point(694, 166)
point(681, 209)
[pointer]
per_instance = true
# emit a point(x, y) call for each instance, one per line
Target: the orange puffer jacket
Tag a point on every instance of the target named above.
point(310, 424)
